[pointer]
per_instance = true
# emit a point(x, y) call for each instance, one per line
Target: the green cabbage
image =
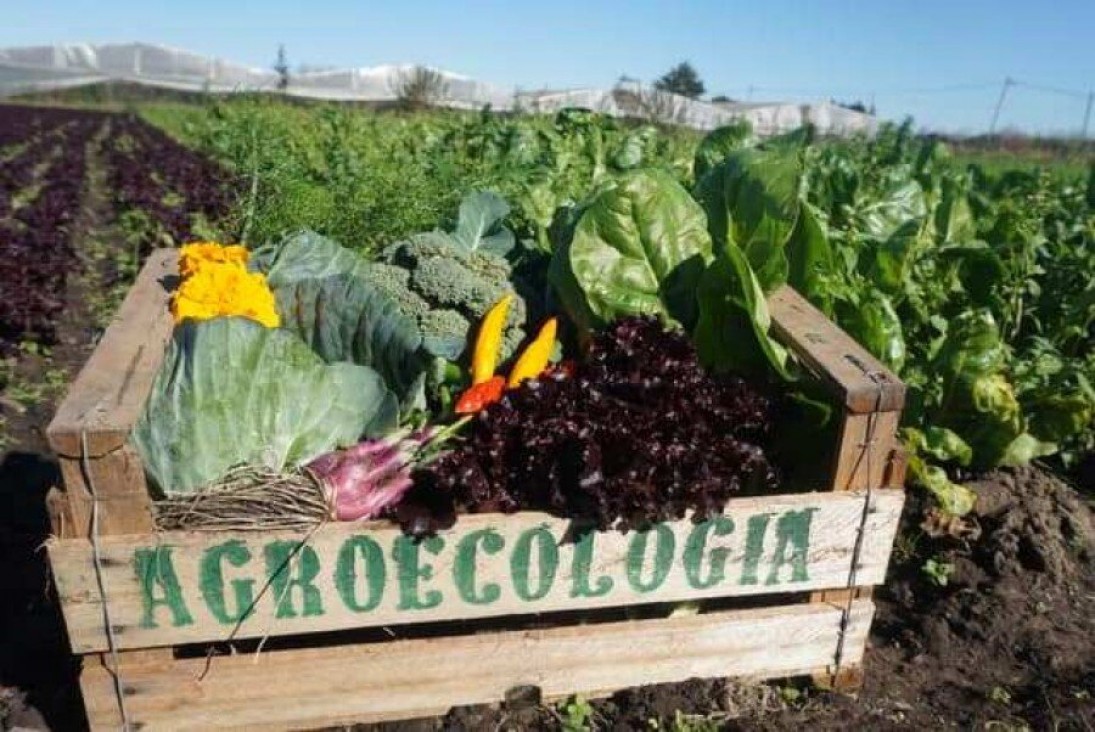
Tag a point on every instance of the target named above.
point(233, 392)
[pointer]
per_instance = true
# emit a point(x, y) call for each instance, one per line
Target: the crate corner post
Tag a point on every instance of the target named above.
point(868, 453)
point(105, 492)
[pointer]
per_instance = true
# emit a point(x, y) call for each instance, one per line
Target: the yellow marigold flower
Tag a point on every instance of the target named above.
point(194, 256)
point(222, 289)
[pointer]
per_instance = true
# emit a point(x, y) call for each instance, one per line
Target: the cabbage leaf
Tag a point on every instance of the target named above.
point(233, 392)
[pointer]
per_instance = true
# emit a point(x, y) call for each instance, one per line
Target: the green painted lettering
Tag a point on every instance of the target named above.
point(583, 563)
point(547, 562)
point(211, 578)
point(463, 567)
point(372, 557)
point(696, 545)
point(665, 544)
point(160, 586)
point(405, 551)
point(280, 558)
point(792, 529)
point(754, 547)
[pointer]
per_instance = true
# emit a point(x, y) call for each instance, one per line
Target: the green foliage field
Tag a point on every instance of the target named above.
point(367, 178)
point(974, 284)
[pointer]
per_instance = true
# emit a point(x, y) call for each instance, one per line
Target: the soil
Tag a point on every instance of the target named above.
point(36, 671)
point(1003, 636)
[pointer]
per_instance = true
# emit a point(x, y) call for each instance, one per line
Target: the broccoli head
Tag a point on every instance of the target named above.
point(444, 333)
point(395, 283)
point(448, 288)
point(448, 283)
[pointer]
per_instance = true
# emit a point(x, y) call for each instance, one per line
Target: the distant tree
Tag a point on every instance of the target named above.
point(721, 98)
point(682, 79)
point(281, 66)
point(419, 87)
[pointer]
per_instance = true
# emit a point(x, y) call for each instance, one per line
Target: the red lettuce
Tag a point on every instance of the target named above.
point(639, 433)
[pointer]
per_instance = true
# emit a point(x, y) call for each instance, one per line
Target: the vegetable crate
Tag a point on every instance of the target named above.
point(355, 622)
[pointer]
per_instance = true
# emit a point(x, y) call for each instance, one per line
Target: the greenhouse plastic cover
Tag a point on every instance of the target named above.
point(47, 68)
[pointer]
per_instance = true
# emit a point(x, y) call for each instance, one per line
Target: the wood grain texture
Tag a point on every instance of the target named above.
point(620, 570)
point(304, 689)
point(110, 391)
point(101, 406)
point(869, 454)
point(865, 454)
point(833, 355)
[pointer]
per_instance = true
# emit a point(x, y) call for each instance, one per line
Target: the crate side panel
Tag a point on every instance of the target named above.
point(110, 391)
point(175, 588)
point(833, 355)
point(414, 678)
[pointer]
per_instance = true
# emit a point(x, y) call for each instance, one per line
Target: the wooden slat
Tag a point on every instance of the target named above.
point(208, 604)
point(300, 689)
point(866, 450)
point(103, 403)
point(833, 355)
point(125, 506)
point(109, 393)
point(869, 453)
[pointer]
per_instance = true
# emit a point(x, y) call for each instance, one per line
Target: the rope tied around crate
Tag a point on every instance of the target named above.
point(864, 459)
point(97, 562)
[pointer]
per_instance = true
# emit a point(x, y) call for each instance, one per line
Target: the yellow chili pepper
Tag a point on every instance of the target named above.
point(534, 359)
point(488, 343)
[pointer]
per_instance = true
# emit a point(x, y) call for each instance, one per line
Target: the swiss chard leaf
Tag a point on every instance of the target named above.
point(639, 247)
point(978, 402)
point(732, 334)
point(895, 206)
point(891, 259)
point(874, 322)
point(954, 498)
point(752, 200)
point(810, 260)
point(717, 144)
point(953, 219)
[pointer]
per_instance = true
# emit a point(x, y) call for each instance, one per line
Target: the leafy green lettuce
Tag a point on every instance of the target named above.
point(977, 401)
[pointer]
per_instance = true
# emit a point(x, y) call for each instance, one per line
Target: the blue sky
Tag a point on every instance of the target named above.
point(941, 62)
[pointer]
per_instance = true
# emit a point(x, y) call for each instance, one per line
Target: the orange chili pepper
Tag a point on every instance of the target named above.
point(479, 396)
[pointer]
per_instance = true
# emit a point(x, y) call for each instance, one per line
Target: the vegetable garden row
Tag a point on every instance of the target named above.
point(43, 187)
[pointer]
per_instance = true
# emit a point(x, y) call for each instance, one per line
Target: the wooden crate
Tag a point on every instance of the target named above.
point(358, 623)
